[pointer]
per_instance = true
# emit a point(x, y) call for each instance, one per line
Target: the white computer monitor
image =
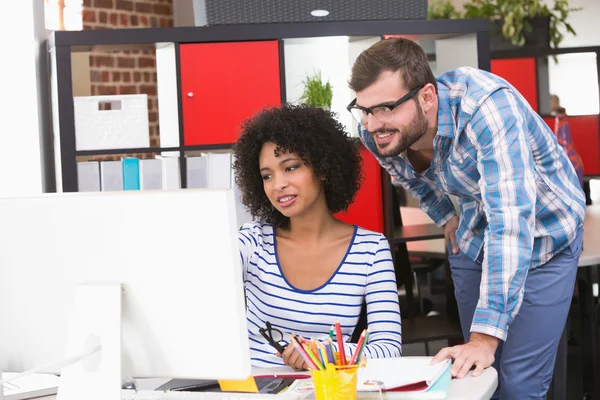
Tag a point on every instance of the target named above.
point(174, 252)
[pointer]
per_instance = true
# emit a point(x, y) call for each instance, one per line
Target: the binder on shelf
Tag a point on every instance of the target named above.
point(88, 176)
point(111, 175)
point(171, 176)
point(131, 173)
point(241, 212)
point(150, 174)
point(197, 172)
point(219, 170)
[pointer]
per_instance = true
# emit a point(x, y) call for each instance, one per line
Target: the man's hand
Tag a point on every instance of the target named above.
point(450, 233)
point(292, 358)
point(479, 352)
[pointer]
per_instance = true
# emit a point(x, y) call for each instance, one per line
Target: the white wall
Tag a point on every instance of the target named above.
point(23, 103)
point(330, 56)
point(574, 79)
point(584, 22)
point(334, 57)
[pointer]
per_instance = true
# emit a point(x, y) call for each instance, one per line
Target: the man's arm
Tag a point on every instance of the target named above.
point(508, 192)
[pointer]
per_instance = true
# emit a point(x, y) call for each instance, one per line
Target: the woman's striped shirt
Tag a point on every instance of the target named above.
point(365, 274)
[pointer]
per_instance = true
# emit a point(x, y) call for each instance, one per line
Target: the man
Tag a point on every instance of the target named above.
point(515, 248)
point(563, 135)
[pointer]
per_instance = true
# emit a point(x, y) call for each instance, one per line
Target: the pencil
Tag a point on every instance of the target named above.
point(330, 351)
point(307, 347)
point(322, 355)
point(303, 354)
point(359, 347)
point(340, 340)
point(331, 332)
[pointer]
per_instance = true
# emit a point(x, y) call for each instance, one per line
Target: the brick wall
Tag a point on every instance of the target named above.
point(127, 72)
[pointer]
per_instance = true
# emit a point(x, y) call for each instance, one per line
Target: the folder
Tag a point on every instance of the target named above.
point(197, 172)
point(88, 176)
point(405, 378)
point(219, 170)
point(131, 174)
point(171, 176)
point(150, 174)
point(111, 175)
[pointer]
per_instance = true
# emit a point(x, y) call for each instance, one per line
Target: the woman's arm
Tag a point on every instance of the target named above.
point(383, 308)
point(248, 242)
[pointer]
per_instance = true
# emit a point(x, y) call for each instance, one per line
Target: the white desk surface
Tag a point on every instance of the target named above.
point(468, 388)
point(591, 236)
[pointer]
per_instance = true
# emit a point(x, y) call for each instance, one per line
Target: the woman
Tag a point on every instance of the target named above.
point(304, 269)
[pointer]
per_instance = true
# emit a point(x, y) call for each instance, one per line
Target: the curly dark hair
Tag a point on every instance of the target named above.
point(316, 137)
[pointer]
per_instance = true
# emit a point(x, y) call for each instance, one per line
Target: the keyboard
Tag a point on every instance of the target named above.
point(158, 395)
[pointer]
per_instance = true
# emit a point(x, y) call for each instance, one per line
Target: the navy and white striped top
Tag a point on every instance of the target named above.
point(365, 273)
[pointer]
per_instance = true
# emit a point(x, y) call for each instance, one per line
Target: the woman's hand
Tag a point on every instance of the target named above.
point(293, 359)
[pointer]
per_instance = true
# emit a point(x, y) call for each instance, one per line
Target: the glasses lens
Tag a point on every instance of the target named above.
point(357, 114)
point(384, 115)
point(276, 335)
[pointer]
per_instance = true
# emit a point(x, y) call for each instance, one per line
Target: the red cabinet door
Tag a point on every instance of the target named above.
point(224, 84)
point(522, 74)
point(367, 209)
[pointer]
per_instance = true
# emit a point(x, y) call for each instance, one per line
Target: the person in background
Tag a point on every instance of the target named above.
point(514, 250)
point(563, 135)
point(303, 268)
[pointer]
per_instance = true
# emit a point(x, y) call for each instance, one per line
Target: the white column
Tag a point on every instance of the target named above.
point(24, 110)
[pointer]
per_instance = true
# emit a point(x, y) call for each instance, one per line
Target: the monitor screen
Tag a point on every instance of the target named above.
point(175, 255)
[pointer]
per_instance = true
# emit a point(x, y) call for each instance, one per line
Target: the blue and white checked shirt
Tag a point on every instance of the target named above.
point(519, 196)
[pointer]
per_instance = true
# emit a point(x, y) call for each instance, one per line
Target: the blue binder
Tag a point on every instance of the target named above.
point(131, 173)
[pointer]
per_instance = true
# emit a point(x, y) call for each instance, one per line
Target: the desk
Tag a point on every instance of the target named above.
point(590, 256)
point(468, 388)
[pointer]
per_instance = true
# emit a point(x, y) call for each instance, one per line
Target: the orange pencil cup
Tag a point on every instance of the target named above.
point(336, 382)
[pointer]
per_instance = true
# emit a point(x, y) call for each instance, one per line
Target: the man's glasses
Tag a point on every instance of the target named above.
point(274, 336)
point(383, 114)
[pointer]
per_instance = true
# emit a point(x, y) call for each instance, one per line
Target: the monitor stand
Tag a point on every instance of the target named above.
point(95, 333)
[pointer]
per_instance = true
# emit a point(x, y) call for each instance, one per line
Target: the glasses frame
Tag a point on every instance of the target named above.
point(267, 333)
point(391, 107)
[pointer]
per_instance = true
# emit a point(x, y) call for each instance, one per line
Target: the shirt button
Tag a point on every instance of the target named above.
point(436, 171)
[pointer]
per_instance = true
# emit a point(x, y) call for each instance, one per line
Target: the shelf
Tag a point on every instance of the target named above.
point(413, 233)
point(125, 151)
point(117, 38)
point(101, 152)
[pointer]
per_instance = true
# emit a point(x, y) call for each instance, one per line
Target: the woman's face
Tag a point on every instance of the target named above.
point(292, 186)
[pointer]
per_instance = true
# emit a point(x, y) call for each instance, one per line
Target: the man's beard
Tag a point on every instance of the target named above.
point(407, 136)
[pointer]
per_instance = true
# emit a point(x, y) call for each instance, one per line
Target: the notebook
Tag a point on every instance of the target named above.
point(404, 374)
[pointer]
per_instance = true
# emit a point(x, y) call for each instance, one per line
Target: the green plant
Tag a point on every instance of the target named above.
point(441, 9)
point(316, 93)
point(515, 16)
